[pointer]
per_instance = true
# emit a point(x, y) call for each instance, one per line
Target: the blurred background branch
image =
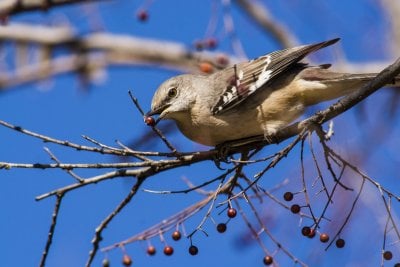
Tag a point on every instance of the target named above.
point(90, 55)
point(12, 7)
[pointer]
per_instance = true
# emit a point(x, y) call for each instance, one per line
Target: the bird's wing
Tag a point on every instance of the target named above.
point(248, 77)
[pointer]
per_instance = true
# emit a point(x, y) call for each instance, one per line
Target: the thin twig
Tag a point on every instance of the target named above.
point(269, 234)
point(230, 30)
point(99, 229)
point(253, 231)
point(353, 205)
point(194, 188)
point(50, 235)
point(320, 176)
point(164, 225)
point(68, 170)
point(213, 196)
point(283, 153)
point(66, 143)
point(305, 192)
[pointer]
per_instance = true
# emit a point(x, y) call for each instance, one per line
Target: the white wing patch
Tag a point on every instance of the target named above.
point(240, 75)
point(264, 76)
point(268, 60)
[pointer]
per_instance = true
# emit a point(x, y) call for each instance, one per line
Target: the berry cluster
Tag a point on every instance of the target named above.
point(208, 43)
point(306, 230)
point(176, 236)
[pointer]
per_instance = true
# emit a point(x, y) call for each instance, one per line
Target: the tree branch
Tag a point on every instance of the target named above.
point(96, 51)
point(12, 7)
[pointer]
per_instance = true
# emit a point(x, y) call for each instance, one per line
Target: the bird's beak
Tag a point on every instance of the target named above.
point(157, 111)
point(152, 112)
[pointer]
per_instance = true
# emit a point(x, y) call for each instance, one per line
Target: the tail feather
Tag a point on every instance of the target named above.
point(329, 85)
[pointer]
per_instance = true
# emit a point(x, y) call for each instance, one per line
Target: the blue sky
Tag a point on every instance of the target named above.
point(61, 108)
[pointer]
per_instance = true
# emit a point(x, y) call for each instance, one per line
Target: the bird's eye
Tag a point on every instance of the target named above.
point(172, 92)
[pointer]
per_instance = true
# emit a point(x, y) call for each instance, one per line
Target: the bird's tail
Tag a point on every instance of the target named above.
point(329, 85)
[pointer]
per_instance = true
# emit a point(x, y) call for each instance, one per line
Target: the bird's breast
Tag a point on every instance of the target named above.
point(205, 128)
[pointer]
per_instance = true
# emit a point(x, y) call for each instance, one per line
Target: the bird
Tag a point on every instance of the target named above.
point(252, 98)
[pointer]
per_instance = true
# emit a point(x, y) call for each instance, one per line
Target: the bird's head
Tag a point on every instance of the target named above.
point(174, 97)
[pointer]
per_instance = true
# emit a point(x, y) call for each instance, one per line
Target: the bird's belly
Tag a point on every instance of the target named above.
point(216, 130)
point(212, 135)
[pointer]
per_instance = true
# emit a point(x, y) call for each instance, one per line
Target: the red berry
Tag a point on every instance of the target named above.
point(206, 67)
point(295, 208)
point(151, 250)
point(168, 250)
point(222, 60)
point(150, 121)
point(311, 234)
point(288, 196)
point(199, 45)
point(176, 235)
point(324, 238)
point(306, 231)
point(142, 15)
point(387, 255)
point(193, 250)
point(231, 213)
point(268, 260)
point(211, 43)
point(340, 243)
point(126, 260)
point(221, 228)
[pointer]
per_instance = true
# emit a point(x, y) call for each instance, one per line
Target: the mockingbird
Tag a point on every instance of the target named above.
point(251, 98)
